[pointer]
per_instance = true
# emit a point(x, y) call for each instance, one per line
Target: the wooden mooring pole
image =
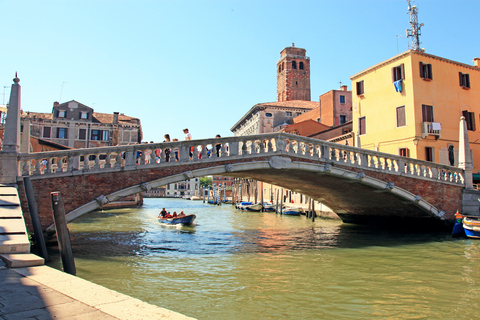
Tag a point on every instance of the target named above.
point(37, 226)
point(63, 236)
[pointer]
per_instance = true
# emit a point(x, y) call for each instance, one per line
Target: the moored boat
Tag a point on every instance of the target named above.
point(471, 225)
point(185, 220)
point(254, 207)
point(243, 205)
point(196, 198)
point(268, 207)
point(292, 211)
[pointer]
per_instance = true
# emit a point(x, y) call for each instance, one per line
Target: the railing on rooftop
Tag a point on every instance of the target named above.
point(139, 156)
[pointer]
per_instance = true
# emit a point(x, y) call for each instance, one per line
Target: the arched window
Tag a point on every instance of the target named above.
point(300, 65)
point(294, 64)
point(279, 68)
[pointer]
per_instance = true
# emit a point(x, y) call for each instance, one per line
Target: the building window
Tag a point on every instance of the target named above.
point(427, 113)
point(99, 135)
point(362, 126)
point(469, 119)
point(288, 114)
point(426, 71)
point(83, 115)
point(62, 133)
point(342, 99)
point(360, 88)
point(464, 80)
point(294, 65)
point(398, 73)
point(401, 120)
point(279, 68)
point(82, 134)
point(404, 152)
point(300, 65)
point(343, 119)
point(429, 154)
point(46, 132)
point(268, 114)
point(61, 114)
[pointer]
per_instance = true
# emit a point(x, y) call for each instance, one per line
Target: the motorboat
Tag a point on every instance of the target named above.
point(471, 225)
point(183, 220)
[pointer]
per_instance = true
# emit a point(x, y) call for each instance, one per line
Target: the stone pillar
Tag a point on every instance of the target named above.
point(11, 137)
point(464, 154)
point(25, 147)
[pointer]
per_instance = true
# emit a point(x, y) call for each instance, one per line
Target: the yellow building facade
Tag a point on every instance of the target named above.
point(411, 104)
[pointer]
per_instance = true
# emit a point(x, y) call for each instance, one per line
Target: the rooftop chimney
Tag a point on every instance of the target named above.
point(56, 104)
point(476, 62)
point(115, 118)
point(344, 88)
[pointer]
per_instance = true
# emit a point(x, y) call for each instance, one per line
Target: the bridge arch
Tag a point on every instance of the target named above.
point(323, 182)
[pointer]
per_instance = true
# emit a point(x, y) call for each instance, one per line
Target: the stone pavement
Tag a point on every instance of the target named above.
point(44, 293)
point(30, 290)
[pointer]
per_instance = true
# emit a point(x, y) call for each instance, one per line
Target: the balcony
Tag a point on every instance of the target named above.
point(431, 129)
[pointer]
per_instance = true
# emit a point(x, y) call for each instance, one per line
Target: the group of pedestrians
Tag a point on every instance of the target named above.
point(168, 151)
point(173, 154)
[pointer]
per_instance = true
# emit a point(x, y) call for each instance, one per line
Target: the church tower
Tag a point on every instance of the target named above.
point(293, 75)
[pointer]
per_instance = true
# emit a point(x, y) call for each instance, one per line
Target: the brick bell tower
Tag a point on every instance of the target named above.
point(293, 75)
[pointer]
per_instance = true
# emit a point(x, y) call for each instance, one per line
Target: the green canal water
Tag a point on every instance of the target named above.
point(245, 265)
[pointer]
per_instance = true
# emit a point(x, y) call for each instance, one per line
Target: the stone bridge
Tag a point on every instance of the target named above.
point(357, 184)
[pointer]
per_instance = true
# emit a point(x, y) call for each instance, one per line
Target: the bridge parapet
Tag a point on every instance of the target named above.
point(144, 156)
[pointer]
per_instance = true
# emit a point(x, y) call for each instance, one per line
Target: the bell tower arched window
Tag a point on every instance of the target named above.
point(294, 64)
point(300, 65)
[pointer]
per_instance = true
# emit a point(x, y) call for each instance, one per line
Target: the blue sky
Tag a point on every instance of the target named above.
point(204, 64)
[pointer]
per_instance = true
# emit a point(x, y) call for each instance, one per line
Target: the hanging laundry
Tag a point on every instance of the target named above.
point(398, 85)
point(436, 126)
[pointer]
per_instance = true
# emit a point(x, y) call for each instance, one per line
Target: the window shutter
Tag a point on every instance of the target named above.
point(461, 79)
point(422, 73)
point(430, 74)
point(402, 71)
point(393, 74)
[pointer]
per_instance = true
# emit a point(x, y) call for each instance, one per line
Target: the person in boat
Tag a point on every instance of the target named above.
point(163, 213)
point(181, 214)
point(168, 215)
point(174, 214)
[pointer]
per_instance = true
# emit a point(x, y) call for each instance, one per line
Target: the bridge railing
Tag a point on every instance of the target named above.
point(46, 164)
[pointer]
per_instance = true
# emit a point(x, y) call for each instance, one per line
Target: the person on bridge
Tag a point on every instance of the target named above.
point(175, 150)
point(188, 136)
point(167, 150)
point(218, 146)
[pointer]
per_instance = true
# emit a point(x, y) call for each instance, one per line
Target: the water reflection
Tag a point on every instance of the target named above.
point(243, 265)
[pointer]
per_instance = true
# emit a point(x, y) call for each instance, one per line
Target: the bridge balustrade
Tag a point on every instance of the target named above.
point(46, 164)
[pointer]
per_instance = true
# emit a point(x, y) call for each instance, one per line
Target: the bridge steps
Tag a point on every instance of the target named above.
point(14, 244)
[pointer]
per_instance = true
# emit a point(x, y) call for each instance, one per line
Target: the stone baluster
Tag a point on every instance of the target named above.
point(118, 160)
point(38, 167)
point(244, 147)
point(86, 162)
point(108, 161)
point(26, 168)
point(97, 165)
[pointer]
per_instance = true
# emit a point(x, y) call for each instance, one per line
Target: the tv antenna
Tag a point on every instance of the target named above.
point(61, 92)
point(414, 31)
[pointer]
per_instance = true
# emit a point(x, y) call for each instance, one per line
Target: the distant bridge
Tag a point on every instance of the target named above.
point(357, 184)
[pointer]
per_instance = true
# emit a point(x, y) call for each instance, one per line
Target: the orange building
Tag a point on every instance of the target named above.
point(411, 104)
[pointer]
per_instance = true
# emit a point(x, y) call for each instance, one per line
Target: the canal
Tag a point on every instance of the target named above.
point(245, 265)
